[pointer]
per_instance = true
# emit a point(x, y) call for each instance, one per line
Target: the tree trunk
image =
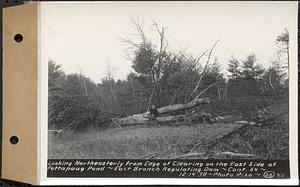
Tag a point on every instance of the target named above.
point(138, 120)
point(144, 117)
point(178, 107)
point(237, 155)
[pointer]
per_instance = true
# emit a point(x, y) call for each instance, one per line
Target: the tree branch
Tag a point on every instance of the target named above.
point(138, 25)
point(203, 91)
point(162, 48)
point(198, 59)
point(204, 70)
point(176, 93)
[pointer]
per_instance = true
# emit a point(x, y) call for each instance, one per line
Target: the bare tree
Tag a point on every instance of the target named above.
point(83, 81)
point(162, 49)
point(143, 44)
point(110, 79)
point(283, 45)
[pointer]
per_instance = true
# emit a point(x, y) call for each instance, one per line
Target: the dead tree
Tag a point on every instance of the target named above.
point(155, 72)
point(83, 81)
point(110, 79)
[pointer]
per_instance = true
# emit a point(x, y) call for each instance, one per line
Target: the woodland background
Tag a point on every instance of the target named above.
point(80, 106)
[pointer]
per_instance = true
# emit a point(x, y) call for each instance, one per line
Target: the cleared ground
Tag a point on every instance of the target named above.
point(269, 140)
point(136, 141)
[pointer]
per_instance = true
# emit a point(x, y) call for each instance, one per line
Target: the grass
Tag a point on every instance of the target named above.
point(268, 141)
point(133, 142)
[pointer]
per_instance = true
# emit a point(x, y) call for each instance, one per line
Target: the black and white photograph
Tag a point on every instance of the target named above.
point(149, 93)
point(168, 80)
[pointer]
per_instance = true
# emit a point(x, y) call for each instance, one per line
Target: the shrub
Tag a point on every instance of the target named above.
point(76, 113)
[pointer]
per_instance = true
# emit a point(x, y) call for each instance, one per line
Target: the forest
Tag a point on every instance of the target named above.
point(244, 92)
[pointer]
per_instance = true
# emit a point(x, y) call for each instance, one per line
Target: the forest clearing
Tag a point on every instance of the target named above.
point(200, 111)
point(196, 141)
point(137, 142)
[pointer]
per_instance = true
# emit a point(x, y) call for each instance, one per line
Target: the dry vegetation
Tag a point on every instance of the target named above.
point(266, 141)
point(135, 142)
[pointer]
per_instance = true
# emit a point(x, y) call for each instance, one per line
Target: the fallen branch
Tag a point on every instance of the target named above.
point(189, 155)
point(223, 119)
point(165, 153)
point(247, 123)
point(55, 132)
point(212, 140)
point(148, 156)
point(203, 91)
point(237, 155)
point(115, 123)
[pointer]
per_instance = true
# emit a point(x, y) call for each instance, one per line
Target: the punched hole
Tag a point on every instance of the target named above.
point(14, 140)
point(18, 38)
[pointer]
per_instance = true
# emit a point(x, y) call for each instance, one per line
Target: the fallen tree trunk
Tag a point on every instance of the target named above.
point(247, 123)
point(144, 118)
point(189, 155)
point(237, 155)
point(178, 107)
point(138, 120)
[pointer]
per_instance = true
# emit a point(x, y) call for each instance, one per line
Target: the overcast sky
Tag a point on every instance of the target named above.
point(86, 35)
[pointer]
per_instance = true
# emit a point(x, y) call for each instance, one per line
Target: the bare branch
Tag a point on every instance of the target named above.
point(84, 85)
point(270, 81)
point(203, 91)
point(204, 70)
point(162, 48)
point(150, 98)
point(129, 42)
point(110, 78)
point(118, 125)
point(196, 61)
point(219, 92)
point(176, 93)
point(138, 24)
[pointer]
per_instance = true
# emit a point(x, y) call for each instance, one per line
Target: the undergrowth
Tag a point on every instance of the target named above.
point(268, 139)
